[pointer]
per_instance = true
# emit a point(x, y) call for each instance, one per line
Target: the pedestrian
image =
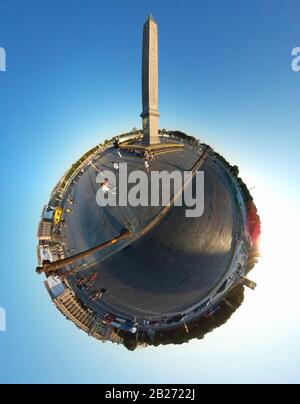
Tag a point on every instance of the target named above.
point(97, 294)
point(104, 186)
point(94, 276)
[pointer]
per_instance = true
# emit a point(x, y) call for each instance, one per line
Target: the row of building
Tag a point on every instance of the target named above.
point(51, 248)
point(73, 309)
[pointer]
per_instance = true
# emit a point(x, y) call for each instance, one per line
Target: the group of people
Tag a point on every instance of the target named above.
point(97, 294)
point(86, 283)
point(196, 145)
point(148, 157)
point(105, 185)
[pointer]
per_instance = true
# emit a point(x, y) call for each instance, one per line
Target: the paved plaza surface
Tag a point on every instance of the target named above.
point(172, 267)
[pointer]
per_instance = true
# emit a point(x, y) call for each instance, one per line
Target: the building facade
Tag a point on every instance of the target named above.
point(71, 307)
point(45, 230)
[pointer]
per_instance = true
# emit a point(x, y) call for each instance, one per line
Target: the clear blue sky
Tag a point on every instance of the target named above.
point(73, 79)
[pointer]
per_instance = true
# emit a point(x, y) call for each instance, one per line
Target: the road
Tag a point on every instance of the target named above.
point(169, 269)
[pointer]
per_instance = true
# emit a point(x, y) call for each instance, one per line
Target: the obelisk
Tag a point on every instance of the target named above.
point(150, 112)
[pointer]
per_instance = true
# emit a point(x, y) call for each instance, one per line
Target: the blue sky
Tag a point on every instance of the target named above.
point(72, 80)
